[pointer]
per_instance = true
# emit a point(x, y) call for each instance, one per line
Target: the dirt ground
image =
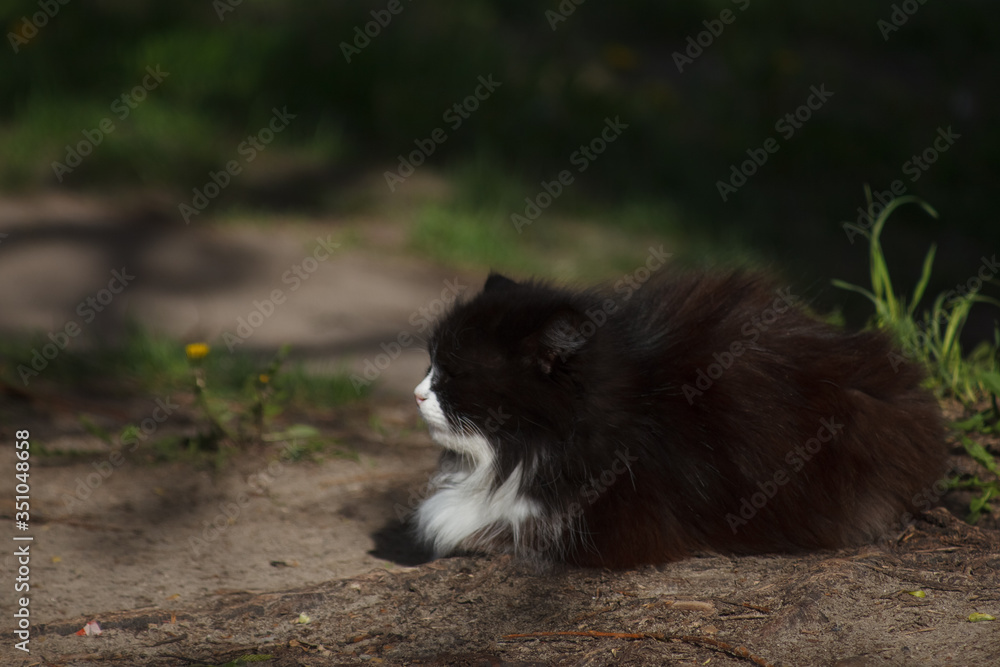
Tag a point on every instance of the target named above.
point(848, 608)
point(310, 562)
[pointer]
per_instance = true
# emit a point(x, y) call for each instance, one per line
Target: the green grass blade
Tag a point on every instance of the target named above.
point(96, 430)
point(854, 288)
point(879, 269)
point(890, 307)
point(956, 321)
point(973, 423)
point(980, 455)
point(991, 381)
point(925, 276)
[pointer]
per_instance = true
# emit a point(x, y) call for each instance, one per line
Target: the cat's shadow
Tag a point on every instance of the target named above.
point(396, 543)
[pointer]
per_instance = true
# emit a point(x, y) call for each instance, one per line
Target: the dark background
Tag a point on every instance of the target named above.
point(230, 65)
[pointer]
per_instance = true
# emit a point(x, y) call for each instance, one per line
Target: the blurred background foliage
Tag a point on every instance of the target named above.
point(230, 63)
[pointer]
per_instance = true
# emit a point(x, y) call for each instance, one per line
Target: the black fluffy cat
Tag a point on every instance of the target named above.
point(698, 412)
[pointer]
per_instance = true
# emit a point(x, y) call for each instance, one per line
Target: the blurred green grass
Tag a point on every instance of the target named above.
point(685, 129)
point(574, 239)
point(142, 362)
point(557, 86)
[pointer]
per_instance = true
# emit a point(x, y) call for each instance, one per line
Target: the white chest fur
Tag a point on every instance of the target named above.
point(467, 506)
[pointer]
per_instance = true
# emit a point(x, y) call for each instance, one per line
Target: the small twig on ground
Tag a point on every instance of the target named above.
point(584, 633)
point(181, 657)
point(736, 651)
point(908, 576)
point(763, 610)
point(172, 640)
point(690, 605)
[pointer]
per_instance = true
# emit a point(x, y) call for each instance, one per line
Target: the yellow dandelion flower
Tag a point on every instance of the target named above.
point(264, 378)
point(196, 351)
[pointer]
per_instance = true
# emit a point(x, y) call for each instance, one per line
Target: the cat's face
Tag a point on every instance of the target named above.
point(450, 429)
point(501, 372)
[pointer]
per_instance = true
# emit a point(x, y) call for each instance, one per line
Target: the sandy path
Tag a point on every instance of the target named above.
point(77, 270)
point(63, 262)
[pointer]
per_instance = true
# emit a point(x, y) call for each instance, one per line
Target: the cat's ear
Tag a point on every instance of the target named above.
point(496, 282)
point(558, 340)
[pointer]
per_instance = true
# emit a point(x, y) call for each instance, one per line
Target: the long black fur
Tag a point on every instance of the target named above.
point(698, 412)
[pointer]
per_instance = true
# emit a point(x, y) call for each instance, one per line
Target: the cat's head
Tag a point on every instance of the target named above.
point(505, 369)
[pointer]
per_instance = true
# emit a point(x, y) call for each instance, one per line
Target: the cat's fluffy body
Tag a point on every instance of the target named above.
point(700, 412)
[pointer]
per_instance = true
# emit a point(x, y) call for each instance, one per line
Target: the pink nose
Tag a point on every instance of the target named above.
point(420, 399)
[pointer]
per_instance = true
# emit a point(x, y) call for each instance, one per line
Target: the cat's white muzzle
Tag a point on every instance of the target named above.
point(442, 432)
